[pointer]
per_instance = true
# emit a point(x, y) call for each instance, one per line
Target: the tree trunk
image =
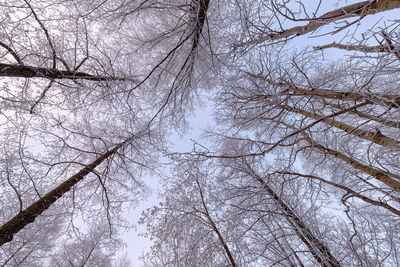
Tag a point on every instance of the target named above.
point(369, 117)
point(355, 10)
point(384, 100)
point(380, 175)
point(215, 228)
point(374, 137)
point(317, 248)
point(8, 70)
point(387, 100)
point(27, 216)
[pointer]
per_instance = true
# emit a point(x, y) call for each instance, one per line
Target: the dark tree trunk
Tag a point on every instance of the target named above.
point(27, 216)
point(8, 70)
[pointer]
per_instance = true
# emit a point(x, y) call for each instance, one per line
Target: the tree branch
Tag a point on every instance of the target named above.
point(12, 52)
point(359, 9)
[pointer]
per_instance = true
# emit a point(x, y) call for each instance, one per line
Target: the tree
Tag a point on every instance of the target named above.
point(308, 134)
point(187, 228)
point(28, 215)
point(242, 206)
point(283, 10)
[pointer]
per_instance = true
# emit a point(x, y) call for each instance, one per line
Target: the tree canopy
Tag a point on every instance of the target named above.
point(301, 167)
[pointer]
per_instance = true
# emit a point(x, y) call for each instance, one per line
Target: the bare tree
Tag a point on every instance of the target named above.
point(187, 227)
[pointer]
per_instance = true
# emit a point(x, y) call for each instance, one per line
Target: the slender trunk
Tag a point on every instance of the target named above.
point(384, 99)
point(380, 175)
point(355, 10)
point(369, 117)
point(375, 137)
point(201, 17)
point(197, 31)
point(23, 71)
point(360, 48)
point(214, 227)
point(387, 100)
point(317, 248)
point(283, 247)
point(285, 253)
point(27, 216)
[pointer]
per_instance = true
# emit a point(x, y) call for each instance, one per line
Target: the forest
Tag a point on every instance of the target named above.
point(300, 165)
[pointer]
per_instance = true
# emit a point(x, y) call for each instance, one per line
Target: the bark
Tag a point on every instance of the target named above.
point(197, 33)
point(201, 17)
point(23, 71)
point(375, 137)
point(383, 176)
point(317, 248)
point(27, 216)
point(355, 10)
point(362, 48)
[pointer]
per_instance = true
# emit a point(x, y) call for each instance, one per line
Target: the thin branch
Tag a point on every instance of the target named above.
point(12, 52)
point(53, 50)
point(348, 190)
point(41, 96)
point(391, 46)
